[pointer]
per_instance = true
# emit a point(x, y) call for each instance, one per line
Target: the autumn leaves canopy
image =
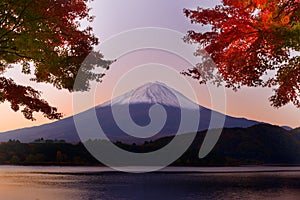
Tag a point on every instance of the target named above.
point(46, 35)
point(250, 41)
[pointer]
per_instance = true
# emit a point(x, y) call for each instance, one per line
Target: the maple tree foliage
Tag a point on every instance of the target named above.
point(252, 43)
point(46, 35)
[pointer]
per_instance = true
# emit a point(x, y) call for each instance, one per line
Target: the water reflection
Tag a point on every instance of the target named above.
point(71, 183)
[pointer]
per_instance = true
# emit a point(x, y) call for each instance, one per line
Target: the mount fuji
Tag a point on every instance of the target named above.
point(139, 103)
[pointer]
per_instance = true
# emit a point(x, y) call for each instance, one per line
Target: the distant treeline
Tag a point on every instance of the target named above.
point(44, 153)
point(258, 145)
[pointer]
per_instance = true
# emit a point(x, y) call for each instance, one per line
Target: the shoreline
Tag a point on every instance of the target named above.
point(94, 170)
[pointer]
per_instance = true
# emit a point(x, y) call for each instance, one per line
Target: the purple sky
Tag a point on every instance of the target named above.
point(116, 16)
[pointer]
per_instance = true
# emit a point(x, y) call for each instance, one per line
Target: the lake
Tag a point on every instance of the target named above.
point(175, 183)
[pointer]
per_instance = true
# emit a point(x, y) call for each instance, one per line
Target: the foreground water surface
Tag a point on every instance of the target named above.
point(97, 183)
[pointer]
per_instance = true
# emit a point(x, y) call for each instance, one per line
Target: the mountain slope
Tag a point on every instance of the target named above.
point(258, 144)
point(296, 133)
point(139, 102)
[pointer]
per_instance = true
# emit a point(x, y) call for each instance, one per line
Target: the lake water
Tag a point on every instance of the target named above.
point(97, 183)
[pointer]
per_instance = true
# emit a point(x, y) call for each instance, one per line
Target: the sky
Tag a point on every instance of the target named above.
point(112, 19)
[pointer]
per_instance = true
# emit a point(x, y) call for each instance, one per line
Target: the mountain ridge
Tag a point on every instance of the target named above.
point(139, 101)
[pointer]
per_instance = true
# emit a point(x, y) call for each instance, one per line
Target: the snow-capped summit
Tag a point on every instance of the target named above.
point(154, 93)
